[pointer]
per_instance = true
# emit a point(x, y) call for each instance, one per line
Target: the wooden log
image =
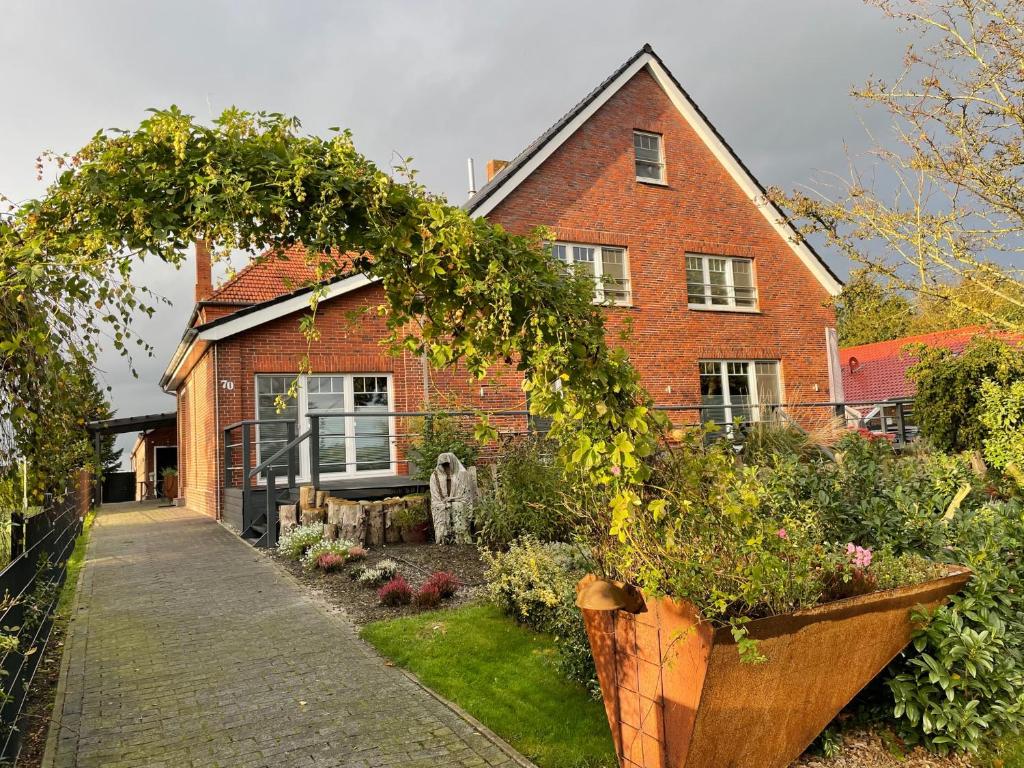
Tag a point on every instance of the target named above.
point(336, 510)
point(307, 497)
point(288, 515)
point(330, 531)
point(353, 526)
point(321, 498)
point(313, 515)
point(393, 510)
point(374, 515)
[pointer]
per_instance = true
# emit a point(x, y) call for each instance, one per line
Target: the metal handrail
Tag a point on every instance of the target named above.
point(259, 469)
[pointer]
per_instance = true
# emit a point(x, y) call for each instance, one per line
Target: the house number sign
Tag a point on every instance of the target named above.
point(227, 384)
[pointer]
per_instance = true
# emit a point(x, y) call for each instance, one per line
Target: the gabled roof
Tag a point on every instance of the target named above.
point(506, 180)
point(878, 372)
point(266, 279)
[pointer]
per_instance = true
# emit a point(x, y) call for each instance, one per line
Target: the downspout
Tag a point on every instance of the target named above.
point(216, 430)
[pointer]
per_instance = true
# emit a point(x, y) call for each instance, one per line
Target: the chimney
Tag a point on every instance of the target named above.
point(493, 166)
point(204, 278)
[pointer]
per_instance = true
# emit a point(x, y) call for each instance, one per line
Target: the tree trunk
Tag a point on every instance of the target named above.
point(307, 497)
point(330, 531)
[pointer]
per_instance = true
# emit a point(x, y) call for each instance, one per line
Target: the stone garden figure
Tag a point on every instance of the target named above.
point(452, 491)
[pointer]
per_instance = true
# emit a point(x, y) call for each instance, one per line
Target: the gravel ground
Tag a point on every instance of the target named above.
point(417, 562)
point(866, 749)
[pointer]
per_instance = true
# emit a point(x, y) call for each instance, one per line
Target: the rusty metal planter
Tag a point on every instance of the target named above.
point(678, 696)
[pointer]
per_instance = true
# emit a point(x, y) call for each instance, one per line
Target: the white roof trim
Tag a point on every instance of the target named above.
point(707, 134)
point(251, 320)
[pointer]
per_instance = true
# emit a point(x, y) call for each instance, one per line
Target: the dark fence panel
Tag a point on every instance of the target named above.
point(118, 486)
point(30, 586)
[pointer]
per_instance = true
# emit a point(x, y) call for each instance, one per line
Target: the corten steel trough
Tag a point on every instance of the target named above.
point(678, 696)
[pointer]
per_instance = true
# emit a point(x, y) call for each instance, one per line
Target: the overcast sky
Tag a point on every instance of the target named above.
point(438, 81)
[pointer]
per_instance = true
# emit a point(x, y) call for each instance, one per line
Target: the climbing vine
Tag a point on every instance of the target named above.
point(458, 289)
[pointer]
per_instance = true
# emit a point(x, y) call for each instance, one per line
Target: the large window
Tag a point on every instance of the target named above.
point(650, 157)
point(351, 444)
point(720, 282)
point(608, 266)
point(743, 390)
point(272, 437)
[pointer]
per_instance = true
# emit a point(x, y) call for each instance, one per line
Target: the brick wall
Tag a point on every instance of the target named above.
point(587, 192)
point(143, 457)
point(198, 446)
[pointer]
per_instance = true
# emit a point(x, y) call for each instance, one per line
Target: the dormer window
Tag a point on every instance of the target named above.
point(720, 282)
point(650, 157)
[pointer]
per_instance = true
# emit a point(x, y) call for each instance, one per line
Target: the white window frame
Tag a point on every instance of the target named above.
point(662, 178)
point(599, 291)
point(304, 469)
point(755, 405)
point(730, 284)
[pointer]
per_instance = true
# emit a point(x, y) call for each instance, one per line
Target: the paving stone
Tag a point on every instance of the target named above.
point(190, 649)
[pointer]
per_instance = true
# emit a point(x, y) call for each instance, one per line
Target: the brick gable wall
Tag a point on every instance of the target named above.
point(587, 192)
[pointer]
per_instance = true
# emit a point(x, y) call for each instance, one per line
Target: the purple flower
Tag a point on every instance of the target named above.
point(616, 470)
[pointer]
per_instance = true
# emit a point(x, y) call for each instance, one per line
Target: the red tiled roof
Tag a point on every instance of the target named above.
point(264, 280)
point(878, 372)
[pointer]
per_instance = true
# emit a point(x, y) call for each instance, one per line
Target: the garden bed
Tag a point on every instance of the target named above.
point(416, 563)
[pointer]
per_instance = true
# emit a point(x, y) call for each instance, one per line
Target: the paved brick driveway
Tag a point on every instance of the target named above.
point(188, 648)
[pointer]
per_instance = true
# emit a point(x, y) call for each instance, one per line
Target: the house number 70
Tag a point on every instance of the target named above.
point(227, 384)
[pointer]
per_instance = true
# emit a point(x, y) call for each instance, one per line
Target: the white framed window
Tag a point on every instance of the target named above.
point(359, 444)
point(650, 156)
point(720, 282)
point(746, 390)
point(607, 265)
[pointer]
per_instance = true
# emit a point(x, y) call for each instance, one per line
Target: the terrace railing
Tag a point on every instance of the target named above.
point(349, 447)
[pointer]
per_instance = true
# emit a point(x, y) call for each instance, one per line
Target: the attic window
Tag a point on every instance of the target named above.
point(650, 160)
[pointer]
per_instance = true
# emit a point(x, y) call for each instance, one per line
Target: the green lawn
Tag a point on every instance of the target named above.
point(503, 675)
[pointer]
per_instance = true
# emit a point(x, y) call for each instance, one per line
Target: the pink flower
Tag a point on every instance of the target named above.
point(782, 533)
point(616, 470)
point(860, 556)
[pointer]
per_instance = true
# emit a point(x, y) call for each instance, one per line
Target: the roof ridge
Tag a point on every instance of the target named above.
point(545, 136)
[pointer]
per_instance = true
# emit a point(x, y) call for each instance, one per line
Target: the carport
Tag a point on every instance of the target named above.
point(99, 429)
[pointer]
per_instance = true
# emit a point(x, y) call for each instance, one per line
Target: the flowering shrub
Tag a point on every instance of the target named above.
point(384, 570)
point(329, 562)
point(338, 547)
point(395, 592)
point(445, 583)
point(963, 677)
point(429, 596)
point(293, 545)
point(357, 553)
point(535, 584)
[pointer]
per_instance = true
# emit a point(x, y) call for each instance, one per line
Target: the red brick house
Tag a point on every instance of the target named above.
point(154, 450)
point(726, 307)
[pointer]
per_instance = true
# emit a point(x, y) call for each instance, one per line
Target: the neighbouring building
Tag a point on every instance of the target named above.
point(727, 308)
point(154, 451)
point(875, 383)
